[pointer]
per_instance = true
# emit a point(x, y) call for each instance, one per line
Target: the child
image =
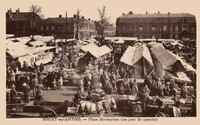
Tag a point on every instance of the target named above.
point(60, 83)
point(54, 84)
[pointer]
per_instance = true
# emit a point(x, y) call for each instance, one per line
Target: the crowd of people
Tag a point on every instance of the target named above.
point(23, 79)
point(114, 78)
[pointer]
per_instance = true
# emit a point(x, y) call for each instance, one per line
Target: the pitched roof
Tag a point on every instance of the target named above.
point(63, 20)
point(156, 15)
point(96, 51)
point(58, 20)
point(22, 16)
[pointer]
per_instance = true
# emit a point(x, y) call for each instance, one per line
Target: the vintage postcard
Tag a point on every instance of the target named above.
point(124, 62)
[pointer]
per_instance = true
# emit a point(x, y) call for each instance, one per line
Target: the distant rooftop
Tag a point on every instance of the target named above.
point(155, 15)
point(61, 19)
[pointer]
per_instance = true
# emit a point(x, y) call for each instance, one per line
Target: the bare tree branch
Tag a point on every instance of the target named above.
point(104, 21)
point(33, 20)
point(36, 9)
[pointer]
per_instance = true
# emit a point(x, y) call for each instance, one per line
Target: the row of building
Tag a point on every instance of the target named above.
point(148, 25)
point(157, 25)
point(28, 23)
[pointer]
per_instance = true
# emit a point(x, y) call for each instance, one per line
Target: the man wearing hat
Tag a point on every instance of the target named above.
point(26, 90)
point(13, 94)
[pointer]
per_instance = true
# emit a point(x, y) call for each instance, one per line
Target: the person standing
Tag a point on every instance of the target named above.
point(25, 66)
point(122, 73)
point(77, 99)
point(184, 91)
point(26, 90)
point(13, 94)
point(39, 92)
point(113, 81)
point(60, 83)
point(86, 81)
point(12, 77)
point(94, 80)
point(146, 90)
point(143, 98)
point(54, 83)
point(34, 84)
point(41, 67)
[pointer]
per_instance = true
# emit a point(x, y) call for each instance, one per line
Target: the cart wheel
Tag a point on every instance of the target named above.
point(48, 113)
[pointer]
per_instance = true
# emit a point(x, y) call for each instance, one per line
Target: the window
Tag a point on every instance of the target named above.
point(130, 28)
point(184, 20)
point(123, 28)
point(176, 28)
point(47, 27)
point(140, 36)
point(184, 28)
point(42, 28)
point(193, 29)
point(52, 27)
point(153, 28)
point(176, 36)
point(153, 36)
point(164, 28)
point(141, 28)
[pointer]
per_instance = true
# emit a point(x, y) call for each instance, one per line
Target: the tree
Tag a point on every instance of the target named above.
point(37, 10)
point(103, 22)
point(34, 20)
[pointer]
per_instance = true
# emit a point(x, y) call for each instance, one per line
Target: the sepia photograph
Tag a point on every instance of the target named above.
point(99, 61)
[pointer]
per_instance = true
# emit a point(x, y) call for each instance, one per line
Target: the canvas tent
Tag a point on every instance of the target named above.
point(179, 77)
point(165, 60)
point(158, 59)
point(93, 52)
point(139, 57)
point(168, 59)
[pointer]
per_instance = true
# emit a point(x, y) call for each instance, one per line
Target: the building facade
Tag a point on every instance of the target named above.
point(70, 27)
point(21, 23)
point(157, 25)
point(109, 31)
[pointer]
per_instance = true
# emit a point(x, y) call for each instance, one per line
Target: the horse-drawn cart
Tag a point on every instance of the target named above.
point(39, 109)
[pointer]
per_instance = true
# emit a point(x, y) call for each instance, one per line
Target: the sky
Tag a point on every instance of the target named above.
point(114, 8)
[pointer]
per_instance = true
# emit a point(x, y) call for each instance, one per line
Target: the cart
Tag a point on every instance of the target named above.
point(39, 109)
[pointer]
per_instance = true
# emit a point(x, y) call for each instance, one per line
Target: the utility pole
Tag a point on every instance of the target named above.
point(78, 21)
point(65, 32)
point(169, 25)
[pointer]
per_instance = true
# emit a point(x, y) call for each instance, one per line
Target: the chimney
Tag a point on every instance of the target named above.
point(17, 11)
point(10, 10)
point(60, 16)
point(168, 13)
point(74, 15)
point(82, 17)
point(146, 12)
point(158, 12)
point(130, 12)
point(89, 19)
point(123, 13)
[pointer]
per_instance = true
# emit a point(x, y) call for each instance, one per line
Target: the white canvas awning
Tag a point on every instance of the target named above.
point(104, 50)
point(120, 41)
point(43, 38)
point(133, 54)
point(95, 50)
point(23, 40)
point(16, 54)
point(37, 43)
point(139, 57)
point(10, 45)
point(128, 56)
